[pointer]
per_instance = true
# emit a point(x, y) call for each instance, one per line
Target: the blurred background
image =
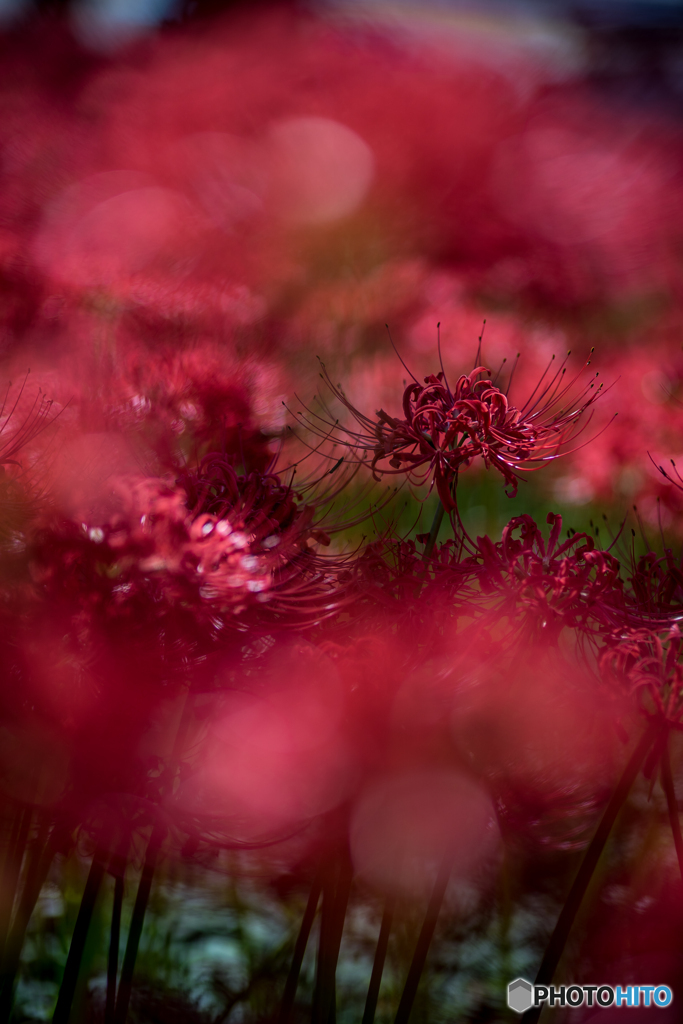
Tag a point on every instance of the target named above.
point(278, 182)
point(633, 42)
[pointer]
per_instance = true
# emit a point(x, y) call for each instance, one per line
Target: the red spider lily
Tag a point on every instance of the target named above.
point(648, 664)
point(167, 545)
point(427, 594)
point(443, 430)
point(258, 501)
point(655, 582)
point(555, 585)
point(593, 228)
point(615, 466)
point(14, 437)
point(119, 619)
point(521, 578)
point(653, 591)
point(178, 398)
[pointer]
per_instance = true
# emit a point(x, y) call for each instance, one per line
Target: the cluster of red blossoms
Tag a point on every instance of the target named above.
point(196, 662)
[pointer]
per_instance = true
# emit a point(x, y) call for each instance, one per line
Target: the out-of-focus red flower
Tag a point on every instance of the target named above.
point(114, 622)
point(215, 208)
point(213, 544)
point(274, 755)
point(173, 403)
point(655, 587)
point(541, 733)
point(404, 824)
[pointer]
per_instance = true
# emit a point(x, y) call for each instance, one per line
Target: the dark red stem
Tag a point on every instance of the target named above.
point(424, 940)
point(137, 921)
point(292, 982)
point(378, 963)
point(67, 989)
point(559, 937)
point(672, 804)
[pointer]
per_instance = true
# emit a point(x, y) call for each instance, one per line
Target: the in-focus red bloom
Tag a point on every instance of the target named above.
point(444, 429)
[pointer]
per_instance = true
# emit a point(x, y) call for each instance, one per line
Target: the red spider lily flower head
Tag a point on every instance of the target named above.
point(653, 591)
point(283, 528)
point(656, 587)
point(27, 430)
point(647, 664)
point(214, 543)
point(422, 594)
point(550, 585)
point(536, 586)
point(443, 429)
point(177, 398)
point(258, 501)
point(120, 617)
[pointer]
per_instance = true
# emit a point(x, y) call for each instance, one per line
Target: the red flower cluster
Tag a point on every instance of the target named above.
point(558, 585)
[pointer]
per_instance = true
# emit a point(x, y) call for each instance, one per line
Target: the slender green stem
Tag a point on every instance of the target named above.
point(41, 857)
point(114, 940)
point(341, 903)
point(137, 921)
point(292, 982)
point(12, 869)
point(149, 867)
point(322, 971)
point(378, 963)
point(559, 937)
point(336, 891)
point(505, 911)
point(433, 533)
point(6, 889)
point(78, 940)
point(424, 940)
point(672, 805)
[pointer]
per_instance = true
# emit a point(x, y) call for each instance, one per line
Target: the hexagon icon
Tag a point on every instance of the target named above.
point(520, 995)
